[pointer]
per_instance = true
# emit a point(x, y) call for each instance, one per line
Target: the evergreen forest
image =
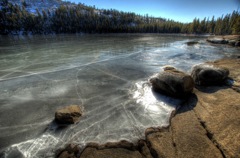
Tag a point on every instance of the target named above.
point(79, 18)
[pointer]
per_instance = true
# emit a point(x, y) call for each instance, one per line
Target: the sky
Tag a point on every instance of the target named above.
point(178, 10)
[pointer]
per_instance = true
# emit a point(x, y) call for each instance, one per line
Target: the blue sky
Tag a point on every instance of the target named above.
point(178, 10)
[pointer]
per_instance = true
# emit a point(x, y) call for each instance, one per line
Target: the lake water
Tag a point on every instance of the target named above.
point(106, 74)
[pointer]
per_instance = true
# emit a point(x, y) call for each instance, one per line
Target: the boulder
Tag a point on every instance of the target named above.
point(191, 43)
point(217, 40)
point(68, 115)
point(204, 74)
point(172, 82)
point(232, 42)
point(237, 44)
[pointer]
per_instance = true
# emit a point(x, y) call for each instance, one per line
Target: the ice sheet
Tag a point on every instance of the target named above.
point(106, 74)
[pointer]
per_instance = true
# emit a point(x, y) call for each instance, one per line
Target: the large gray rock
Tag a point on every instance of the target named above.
point(232, 42)
point(217, 40)
point(68, 115)
point(173, 82)
point(237, 43)
point(191, 43)
point(204, 74)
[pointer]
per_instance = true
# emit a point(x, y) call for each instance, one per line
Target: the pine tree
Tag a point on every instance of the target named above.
point(236, 26)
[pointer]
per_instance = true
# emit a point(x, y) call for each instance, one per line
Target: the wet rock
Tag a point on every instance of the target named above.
point(114, 150)
point(173, 82)
point(237, 43)
point(217, 40)
point(66, 154)
point(68, 115)
point(90, 152)
point(121, 144)
point(191, 43)
point(234, 43)
point(71, 151)
point(232, 40)
point(143, 148)
point(204, 74)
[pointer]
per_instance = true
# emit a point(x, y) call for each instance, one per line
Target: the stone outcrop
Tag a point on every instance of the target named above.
point(233, 40)
point(111, 149)
point(217, 40)
point(191, 43)
point(185, 138)
point(172, 82)
point(206, 74)
point(71, 151)
point(233, 67)
point(207, 126)
point(68, 115)
point(113, 153)
point(219, 113)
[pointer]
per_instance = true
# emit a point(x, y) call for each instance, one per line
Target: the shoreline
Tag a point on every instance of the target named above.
point(232, 40)
point(207, 125)
point(83, 33)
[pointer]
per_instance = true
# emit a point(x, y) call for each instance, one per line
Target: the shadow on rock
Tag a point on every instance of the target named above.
point(188, 104)
point(210, 78)
point(172, 101)
point(211, 89)
point(172, 82)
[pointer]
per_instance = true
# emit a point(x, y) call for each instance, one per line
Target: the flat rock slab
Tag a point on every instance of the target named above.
point(112, 152)
point(220, 113)
point(161, 144)
point(186, 138)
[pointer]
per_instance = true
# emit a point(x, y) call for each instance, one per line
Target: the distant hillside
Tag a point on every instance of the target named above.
point(33, 5)
point(56, 16)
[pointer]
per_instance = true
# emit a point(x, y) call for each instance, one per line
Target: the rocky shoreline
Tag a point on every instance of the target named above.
point(233, 40)
point(206, 125)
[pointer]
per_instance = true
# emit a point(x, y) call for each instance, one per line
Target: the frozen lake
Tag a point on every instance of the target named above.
point(106, 74)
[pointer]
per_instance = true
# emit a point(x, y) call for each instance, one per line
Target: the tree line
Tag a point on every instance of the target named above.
point(15, 19)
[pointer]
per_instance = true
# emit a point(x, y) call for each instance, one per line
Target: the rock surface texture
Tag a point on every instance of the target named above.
point(110, 152)
point(68, 115)
point(207, 126)
point(71, 151)
point(206, 74)
point(233, 40)
point(172, 82)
